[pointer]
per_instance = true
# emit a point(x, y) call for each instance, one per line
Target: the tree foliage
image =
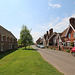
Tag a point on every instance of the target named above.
point(25, 36)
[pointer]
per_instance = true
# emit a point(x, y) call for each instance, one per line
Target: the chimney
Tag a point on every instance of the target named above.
point(71, 20)
point(47, 32)
point(51, 31)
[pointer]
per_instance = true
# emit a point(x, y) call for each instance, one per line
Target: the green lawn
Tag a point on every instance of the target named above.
point(25, 62)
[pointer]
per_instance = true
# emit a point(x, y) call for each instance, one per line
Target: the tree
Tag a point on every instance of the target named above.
point(25, 36)
point(19, 42)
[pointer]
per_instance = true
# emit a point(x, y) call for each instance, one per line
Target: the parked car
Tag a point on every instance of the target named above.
point(42, 46)
point(38, 46)
point(73, 51)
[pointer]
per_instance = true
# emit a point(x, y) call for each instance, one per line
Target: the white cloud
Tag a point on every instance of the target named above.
point(58, 24)
point(54, 5)
point(36, 35)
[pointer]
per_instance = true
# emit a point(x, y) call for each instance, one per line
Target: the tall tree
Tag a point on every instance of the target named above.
point(25, 36)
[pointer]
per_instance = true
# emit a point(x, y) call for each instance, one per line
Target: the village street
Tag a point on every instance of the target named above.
point(63, 61)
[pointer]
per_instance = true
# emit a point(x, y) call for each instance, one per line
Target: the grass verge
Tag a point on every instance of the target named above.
point(26, 62)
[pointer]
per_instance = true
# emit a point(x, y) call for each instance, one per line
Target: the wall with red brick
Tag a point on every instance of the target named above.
point(6, 43)
point(72, 38)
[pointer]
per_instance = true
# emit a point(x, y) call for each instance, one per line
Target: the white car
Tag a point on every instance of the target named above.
point(42, 46)
point(38, 46)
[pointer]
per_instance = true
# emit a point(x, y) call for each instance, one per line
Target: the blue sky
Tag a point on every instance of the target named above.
point(38, 15)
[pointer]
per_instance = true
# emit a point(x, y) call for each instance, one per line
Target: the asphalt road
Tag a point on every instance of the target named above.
point(63, 61)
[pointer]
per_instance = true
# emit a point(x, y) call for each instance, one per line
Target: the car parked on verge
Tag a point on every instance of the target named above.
point(73, 51)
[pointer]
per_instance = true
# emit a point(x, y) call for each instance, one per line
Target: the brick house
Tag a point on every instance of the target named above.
point(7, 40)
point(67, 36)
point(61, 39)
point(48, 38)
point(39, 41)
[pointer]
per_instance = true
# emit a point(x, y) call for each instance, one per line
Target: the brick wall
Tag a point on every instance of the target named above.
point(12, 42)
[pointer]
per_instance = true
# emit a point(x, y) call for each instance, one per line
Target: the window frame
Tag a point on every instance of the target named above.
point(69, 35)
point(74, 35)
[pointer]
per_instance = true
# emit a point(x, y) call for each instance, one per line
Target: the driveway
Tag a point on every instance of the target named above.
point(63, 61)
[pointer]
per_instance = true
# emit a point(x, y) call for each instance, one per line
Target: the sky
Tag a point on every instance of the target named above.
point(38, 15)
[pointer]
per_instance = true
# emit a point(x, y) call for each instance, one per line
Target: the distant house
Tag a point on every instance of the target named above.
point(67, 36)
point(7, 40)
point(39, 41)
point(48, 38)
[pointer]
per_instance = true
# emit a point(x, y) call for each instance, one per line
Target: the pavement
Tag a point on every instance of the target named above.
point(63, 61)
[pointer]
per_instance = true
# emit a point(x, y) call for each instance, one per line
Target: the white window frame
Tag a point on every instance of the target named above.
point(68, 43)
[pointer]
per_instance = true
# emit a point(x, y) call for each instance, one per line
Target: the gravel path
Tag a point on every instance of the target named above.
point(63, 61)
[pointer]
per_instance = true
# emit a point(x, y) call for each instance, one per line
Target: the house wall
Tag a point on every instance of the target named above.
point(7, 42)
point(72, 38)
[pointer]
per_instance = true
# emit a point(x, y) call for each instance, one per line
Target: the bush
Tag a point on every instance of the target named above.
point(53, 48)
point(68, 51)
point(71, 44)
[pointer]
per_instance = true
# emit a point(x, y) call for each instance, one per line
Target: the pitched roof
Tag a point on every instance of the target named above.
point(54, 33)
point(64, 32)
point(72, 22)
point(5, 32)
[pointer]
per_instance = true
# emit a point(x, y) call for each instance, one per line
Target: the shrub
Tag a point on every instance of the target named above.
point(71, 44)
point(68, 51)
point(53, 48)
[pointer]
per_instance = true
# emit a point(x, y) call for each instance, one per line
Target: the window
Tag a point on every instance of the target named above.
point(6, 38)
point(68, 44)
point(74, 34)
point(1, 38)
point(9, 39)
point(54, 40)
point(2, 46)
point(9, 45)
point(69, 36)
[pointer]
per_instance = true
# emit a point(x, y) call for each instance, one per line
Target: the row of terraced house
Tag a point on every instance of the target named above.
point(7, 40)
point(59, 39)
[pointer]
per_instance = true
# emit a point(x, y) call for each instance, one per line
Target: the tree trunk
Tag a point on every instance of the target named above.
point(25, 47)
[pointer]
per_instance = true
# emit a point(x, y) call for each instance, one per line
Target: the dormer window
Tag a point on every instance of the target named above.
point(74, 34)
point(69, 35)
